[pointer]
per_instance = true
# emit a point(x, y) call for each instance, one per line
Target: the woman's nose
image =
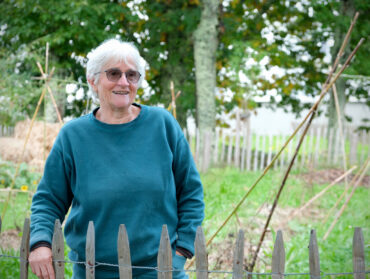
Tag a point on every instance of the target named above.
point(123, 80)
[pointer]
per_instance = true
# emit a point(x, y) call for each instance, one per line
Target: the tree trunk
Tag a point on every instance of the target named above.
point(205, 46)
point(347, 10)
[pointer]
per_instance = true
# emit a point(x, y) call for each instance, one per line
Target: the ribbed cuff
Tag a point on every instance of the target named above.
point(186, 253)
point(40, 244)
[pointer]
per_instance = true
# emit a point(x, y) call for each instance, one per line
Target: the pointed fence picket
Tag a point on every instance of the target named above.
point(164, 260)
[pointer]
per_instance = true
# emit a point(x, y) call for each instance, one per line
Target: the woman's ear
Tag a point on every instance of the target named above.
point(93, 85)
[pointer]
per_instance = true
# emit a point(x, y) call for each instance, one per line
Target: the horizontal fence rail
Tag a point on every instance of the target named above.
point(252, 151)
point(164, 267)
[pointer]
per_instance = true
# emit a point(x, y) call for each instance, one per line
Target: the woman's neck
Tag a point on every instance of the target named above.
point(111, 116)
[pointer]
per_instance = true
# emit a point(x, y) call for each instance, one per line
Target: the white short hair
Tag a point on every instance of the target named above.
point(113, 50)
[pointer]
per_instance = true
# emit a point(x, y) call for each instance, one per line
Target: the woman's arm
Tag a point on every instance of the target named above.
point(189, 192)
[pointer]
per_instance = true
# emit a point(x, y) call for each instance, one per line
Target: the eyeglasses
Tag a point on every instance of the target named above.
point(115, 74)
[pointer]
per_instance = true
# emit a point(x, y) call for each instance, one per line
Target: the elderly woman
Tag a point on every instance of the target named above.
point(124, 163)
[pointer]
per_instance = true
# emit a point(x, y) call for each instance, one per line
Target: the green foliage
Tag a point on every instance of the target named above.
point(26, 179)
point(18, 93)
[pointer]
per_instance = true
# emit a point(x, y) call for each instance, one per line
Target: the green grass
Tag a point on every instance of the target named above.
point(223, 189)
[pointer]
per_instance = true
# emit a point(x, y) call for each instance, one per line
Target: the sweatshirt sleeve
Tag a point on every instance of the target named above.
point(189, 193)
point(53, 196)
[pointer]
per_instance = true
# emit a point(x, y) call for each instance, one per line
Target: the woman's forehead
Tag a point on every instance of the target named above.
point(120, 63)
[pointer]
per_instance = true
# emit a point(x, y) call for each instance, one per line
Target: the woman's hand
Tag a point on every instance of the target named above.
point(41, 263)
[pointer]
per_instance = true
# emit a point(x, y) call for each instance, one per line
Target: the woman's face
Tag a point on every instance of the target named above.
point(120, 94)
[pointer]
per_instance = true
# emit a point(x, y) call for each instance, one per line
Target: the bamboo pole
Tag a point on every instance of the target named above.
point(254, 258)
point(322, 192)
point(340, 125)
point(344, 206)
point(325, 89)
point(343, 194)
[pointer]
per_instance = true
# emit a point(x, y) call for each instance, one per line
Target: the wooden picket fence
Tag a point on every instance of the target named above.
point(251, 151)
point(6, 131)
point(164, 268)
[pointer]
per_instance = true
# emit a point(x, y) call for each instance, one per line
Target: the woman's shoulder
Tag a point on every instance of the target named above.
point(160, 113)
point(74, 124)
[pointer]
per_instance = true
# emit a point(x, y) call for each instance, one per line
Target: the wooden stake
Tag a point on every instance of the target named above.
point(322, 192)
point(340, 212)
point(254, 258)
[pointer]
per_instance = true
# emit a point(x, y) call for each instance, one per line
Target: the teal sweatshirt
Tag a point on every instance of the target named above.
point(140, 174)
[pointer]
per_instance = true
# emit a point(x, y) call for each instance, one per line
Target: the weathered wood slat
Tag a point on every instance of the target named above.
point(207, 150)
point(201, 258)
point(358, 253)
point(24, 249)
point(262, 160)
point(249, 151)
point(164, 256)
point(330, 146)
point(237, 140)
point(244, 149)
point(353, 148)
point(255, 159)
point(363, 149)
point(290, 150)
point(230, 149)
point(314, 258)
point(197, 146)
point(0, 224)
point(316, 150)
point(90, 251)
point(238, 272)
point(223, 146)
point(124, 257)
point(311, 145)
point(336, 150)
point(269, 155)
point(278, 257)
point(58, 250)
point(215, 151)
point(282, 156)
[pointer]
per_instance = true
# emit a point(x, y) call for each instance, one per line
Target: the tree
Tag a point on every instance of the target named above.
point(336, 16)
point(205, 46)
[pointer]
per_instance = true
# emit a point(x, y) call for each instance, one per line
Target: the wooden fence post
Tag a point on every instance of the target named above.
point(353, 148)
point(0, 224)
point(358, 253)
point(244, 149)
point(197, 147)
point(249, 150)
point(230, 149)
point(90, 251)
point(201, 259)
point(164, 256)
point(222, 159)
point(237, 140)
point(215, 151)
point(269, 155)
point(207, 150)
point(255, 159)
point(124, 257)
point(317, 147)
point(314, 257)
point(262, 161)
point(24, 250)
point(278, 257)
point(238, 272)
point(58, 250)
